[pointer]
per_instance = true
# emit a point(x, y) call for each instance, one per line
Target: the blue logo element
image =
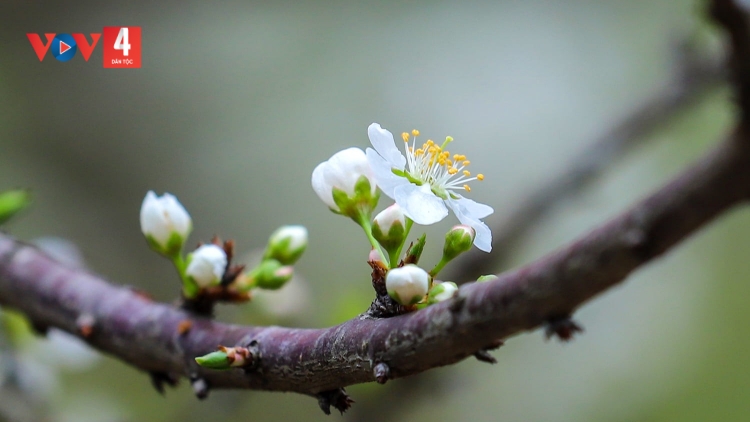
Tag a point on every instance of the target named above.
point(63, 47)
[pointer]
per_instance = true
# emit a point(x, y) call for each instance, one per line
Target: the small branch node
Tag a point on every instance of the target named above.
point(336, 398)
point(564, 328)
point(200, 386)
point(85, 324)
point(158, 379)
point(382, 372)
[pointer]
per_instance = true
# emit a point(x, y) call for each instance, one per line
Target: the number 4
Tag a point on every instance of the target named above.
point(121, 43)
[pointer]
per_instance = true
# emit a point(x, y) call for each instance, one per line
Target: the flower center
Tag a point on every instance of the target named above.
point(432, 164)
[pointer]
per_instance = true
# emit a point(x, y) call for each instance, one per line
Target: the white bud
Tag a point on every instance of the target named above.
point(407, 285)
point(206, 265)
point(165, 222)
point(287, 244)
point(344, 171)
point(442, 291)
point(390, 216)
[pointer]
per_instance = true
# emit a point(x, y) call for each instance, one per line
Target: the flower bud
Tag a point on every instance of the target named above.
point(346, 183)
point(407, 285)
point(206, 265)
point(13, 201)
point(165, 223)
point(389, 228)
point(287, 244)
point(271, 274)
point(442, 291)
point(457, 241)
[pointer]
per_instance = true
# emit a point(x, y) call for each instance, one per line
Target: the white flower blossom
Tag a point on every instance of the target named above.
point(407, 285)
point(426, 180)
point(162, 217)
point(287, 244)
point(344, 171)
point(206, 265)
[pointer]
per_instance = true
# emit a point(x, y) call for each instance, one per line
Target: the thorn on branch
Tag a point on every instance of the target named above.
point(336, 398)
point(382, 372)
point(562, 327)
point(200, 386)
point(158, 379)
point(484, 355)
point(85, 325)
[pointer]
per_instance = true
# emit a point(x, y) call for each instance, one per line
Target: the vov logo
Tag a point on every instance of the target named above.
point(122, 46)
point(64, 46)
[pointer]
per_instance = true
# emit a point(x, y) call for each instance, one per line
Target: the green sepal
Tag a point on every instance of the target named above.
point(270, 274)
point(282, 253)
point(12, 202)
point(415, 250)
point(214, 360)
point(171, 249)
point(392, 240)
point(484, 278)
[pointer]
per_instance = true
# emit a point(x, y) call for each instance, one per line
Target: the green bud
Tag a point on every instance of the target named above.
point(287, 244)
point(442, 291)
point(13, 201)
point(484, 278)
point(214, 360)
point(389, 228)
point(457, 241)
point(271, 274)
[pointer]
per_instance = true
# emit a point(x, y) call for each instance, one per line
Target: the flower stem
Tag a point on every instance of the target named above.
point(363, 219)
point(395, 256)
point(439, 266)
point(189, 288)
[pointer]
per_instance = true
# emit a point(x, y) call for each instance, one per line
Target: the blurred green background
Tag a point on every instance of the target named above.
point(237, 102)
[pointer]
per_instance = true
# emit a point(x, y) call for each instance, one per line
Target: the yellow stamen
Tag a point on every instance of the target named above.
point(405, 137)
point(415, 132)
point(467, 173)
point(467, 188)
point(480, 177)
point(452, 171)
point(466, 163)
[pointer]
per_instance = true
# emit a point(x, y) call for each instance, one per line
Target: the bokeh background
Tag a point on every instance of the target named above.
point(237, 102)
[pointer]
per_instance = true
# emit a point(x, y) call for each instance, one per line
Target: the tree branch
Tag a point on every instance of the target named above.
point(152, 336)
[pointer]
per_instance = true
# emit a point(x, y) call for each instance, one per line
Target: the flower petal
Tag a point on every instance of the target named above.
point(483, 239)
point(382, 140)
point(474, 209)
point(321, 188)
point(387, 181)
point(420, 204)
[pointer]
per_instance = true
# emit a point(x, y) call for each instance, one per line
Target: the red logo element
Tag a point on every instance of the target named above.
point(40, 48)
point(122, 47)
point(83, 45)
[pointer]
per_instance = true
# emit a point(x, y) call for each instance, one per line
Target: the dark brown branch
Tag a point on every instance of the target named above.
point(148, 334)
point(693, 77)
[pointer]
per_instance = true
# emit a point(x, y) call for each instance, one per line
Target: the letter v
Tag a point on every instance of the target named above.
point(84, 46)
point(36, 43)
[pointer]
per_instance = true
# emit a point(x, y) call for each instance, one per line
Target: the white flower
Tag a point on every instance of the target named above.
point(287, 244)
point(162, 218)
point(206, 265)
point(407, 285)
point(344, 171)
point(426, 180)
